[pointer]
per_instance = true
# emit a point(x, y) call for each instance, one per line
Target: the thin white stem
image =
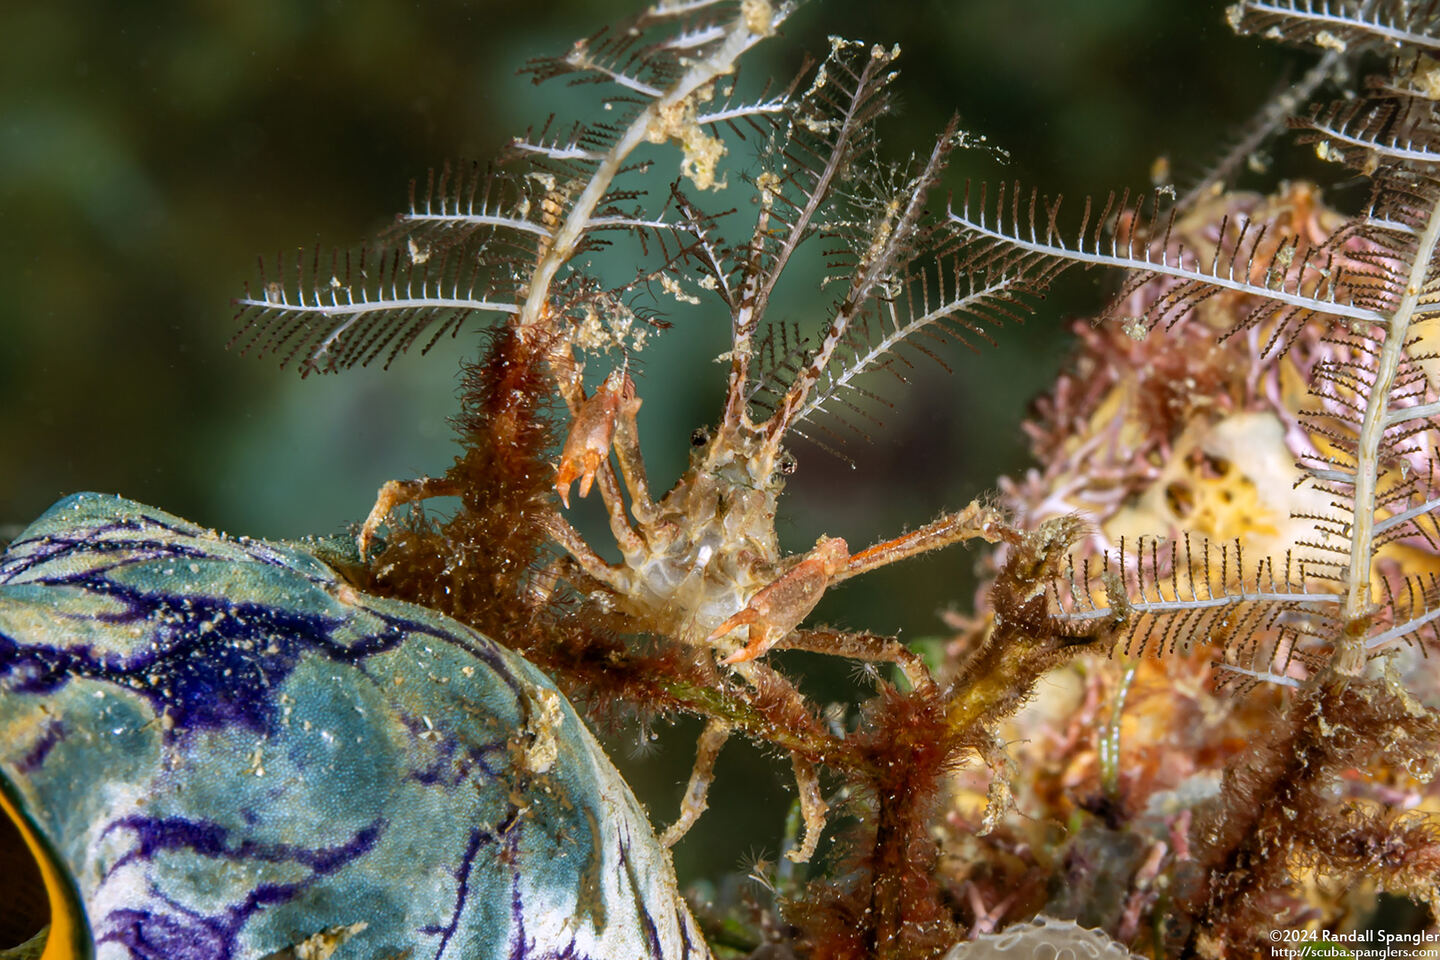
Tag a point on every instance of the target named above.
point(1401, 630)
point(1265, 677)
point(1417, 412)
point(631, 223)
point(1321, 17)
point(1184, 606)
point(1392, 150)
point(1166, 265)
point(556, 153)
point(898, 333)
point(476, 220)
point(1372, 429)
point(361, 307)
point(735, 113)
point(1399, 518)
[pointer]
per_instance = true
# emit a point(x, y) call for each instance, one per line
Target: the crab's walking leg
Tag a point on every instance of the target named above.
point(396, 493)
point(545, 584)
point(591, 562)
point(772, 686)
point(712, 738)
point(626, 444)
point(862, 646)
point(976, 521)
point(812, 808)
point(626, 537)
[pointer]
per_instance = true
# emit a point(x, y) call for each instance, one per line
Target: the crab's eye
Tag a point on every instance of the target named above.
point(699, 436)
point(787, 463)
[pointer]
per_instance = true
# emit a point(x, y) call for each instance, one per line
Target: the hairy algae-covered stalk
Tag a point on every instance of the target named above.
point(1249, 427)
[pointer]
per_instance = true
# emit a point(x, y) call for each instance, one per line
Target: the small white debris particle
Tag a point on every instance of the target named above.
point(540, 754)
point(672, 286)
point(758, 16)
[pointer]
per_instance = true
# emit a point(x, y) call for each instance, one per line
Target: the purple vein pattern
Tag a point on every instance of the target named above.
point(231, 750)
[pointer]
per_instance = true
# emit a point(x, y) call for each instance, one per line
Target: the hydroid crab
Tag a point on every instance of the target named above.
point(702, 561)
point(701, 566)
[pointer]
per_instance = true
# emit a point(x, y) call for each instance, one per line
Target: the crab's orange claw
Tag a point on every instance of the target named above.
point(571, 469)
point(758, 643)
point(588, 444)
point(749, 615)
point(782, 605)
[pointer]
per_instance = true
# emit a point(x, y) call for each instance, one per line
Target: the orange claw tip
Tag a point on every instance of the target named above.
point(737, 619)
point(756, 644)
point(571, 470)
point(567, 475)
point(751, 650)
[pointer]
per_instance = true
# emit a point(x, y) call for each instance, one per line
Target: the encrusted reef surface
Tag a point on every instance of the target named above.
point(228, 751)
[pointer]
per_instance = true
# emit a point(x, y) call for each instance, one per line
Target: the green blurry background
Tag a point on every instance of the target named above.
point(149, 152)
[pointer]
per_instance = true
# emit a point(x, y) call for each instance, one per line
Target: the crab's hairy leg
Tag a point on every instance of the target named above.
point(742, 326)
point(862, 646)
point(397, 493)
point(707, 751)
point(546, 581)
point(544, 586)
point(626, 446)
point(763, 712)
point(975, 521)
point(812, 808)
point(591, 563)
point(626, 537)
